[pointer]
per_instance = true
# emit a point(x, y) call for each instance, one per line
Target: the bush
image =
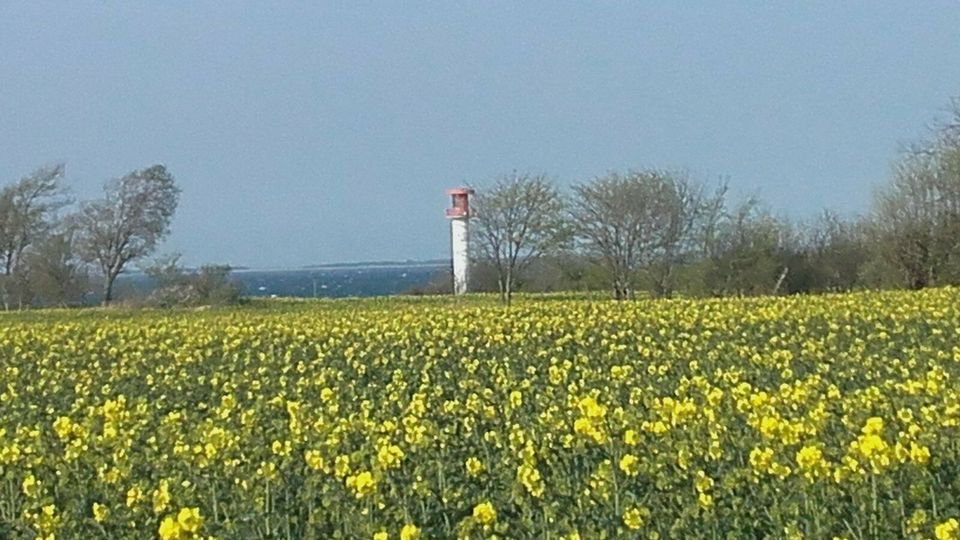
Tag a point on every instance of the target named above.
point(207, 286)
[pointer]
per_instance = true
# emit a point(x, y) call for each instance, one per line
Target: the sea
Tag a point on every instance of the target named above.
point(333, 281)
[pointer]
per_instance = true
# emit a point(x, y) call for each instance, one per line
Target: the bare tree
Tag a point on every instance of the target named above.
point(917, 216)
point(918, 213)
point(517, 219)
point(128, 222)
point(26, 214)
point(708, 222)
point(682, 203)
point(627, 221)
point(836, 251)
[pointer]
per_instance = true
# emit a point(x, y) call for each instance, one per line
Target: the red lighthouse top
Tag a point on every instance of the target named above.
point(460, 202)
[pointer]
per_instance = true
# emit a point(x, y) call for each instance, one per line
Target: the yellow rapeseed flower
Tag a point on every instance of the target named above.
point(484, 513)
point(474, 466)
point(169, 529)
point(634, 518)
point(314, 460)
point(100, 512)
point(30, 486)
point(948, 530)
point(189, 519)
point(363, 484)
point(410, 532)
point(629, 464)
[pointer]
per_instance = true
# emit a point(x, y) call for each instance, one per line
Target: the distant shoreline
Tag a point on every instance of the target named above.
point(433, 263)
point(378, 264)
point(379, 278)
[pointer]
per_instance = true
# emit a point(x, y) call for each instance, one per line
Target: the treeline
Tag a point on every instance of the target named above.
point(662, 233)
point(54, 250)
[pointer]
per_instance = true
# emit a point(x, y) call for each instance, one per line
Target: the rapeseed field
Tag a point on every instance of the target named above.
point(806, 417)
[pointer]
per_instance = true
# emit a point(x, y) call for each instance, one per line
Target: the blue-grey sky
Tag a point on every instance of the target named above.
point(322, 132)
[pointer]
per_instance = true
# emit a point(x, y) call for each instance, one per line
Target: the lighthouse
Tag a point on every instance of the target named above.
point(459, 216)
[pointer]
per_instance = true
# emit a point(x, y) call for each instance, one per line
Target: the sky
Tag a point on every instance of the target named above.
point(315, 132)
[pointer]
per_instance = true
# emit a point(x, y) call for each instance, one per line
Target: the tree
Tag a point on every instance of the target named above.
point(681, 205)
point(836, 252)
point(633, 220)
point(26, 214)
point(517, 219)
point(745, 257)
point(917, 216)
point(127, 223)
point(57, 276)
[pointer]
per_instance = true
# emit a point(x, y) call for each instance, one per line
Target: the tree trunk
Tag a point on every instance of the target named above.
point(662, 281)
point(108, 288)
point(508, 289)
point(783, 276)
point(621, 291)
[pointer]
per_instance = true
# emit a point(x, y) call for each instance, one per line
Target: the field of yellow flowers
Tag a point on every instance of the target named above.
point(807, 417)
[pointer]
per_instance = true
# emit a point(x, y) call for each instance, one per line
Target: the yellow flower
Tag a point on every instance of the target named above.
point(874, 426)
point(917, 520)
point(635, 517)
point(341, 466)
point(189, 519)
point(280, 448)
point(484, 513)
point(169, 529)
point(389, 456)
point(948, 530)
point(530, 478)
point(161, 497)
point(590, 427)
point(314, 460)
point(133, 496)
point(363, 484)
point(874, 449)
point(761, 459)
point(703, 483)
point(100, 512)
point(62, 427)
point(410, 532)
point(919, 454)
point(630, 465)
point(811, 463)
point(591, 409)
point(474, 466)
point(382, 535)
point(30, 486)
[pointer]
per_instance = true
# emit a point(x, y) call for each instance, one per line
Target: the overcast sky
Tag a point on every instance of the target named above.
point(318, 132)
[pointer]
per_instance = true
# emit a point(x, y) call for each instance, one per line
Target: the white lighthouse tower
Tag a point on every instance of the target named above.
point(459, 216)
